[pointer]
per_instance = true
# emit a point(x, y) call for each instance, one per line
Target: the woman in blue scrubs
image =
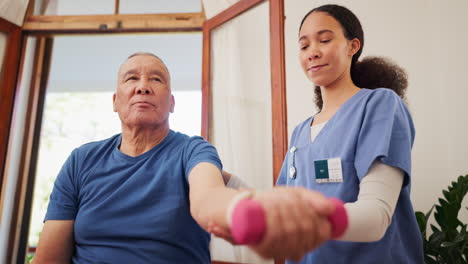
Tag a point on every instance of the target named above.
point(358, 146)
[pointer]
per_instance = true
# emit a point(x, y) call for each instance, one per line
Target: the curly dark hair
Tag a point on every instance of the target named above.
point(371, 72)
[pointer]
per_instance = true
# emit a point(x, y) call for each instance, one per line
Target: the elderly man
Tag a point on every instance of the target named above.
point(147, 195)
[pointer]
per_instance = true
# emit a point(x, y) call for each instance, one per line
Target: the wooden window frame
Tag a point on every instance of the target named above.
point(118, 23)
point(47, 26)
point(8, 87)
point(42, 28)
point(278, 76)
point(19, 227)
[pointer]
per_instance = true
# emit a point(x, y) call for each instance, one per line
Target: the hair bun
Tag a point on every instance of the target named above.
point(380, 72)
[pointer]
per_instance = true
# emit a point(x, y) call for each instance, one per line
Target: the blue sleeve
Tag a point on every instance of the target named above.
point(198, 150)
point(387, 134)
point(283, 176)
point(63, 203)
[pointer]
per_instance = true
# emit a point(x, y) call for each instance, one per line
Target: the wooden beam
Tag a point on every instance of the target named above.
point(278, 86)
point(8, 87)
point(179, 22)
point(29, 10)
point(231, 12)
point(19, 229)
point(117, 7)
point(207, 104)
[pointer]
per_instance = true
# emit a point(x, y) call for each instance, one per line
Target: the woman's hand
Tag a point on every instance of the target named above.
point(296, 223)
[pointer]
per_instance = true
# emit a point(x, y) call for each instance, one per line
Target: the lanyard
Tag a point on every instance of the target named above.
point(292, 169)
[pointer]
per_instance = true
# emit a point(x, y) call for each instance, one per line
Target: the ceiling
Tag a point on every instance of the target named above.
point(93, 7)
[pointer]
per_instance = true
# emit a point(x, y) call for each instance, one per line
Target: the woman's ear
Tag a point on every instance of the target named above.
point(355, 45)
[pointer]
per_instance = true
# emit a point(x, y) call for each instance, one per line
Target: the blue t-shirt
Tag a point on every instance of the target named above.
point(133, 209)
point(371, 125)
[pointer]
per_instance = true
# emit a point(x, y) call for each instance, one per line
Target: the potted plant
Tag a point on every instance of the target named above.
point(448, 243)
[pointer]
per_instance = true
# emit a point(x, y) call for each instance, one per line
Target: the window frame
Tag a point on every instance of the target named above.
point(46, 27)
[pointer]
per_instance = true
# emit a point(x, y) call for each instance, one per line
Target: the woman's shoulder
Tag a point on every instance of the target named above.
point(382, 97)
point(381, 93)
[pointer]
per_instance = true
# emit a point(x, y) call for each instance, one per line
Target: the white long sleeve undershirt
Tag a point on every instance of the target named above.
point(235, 182)
point(371, 215)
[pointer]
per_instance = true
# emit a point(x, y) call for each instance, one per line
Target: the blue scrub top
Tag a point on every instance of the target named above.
point(371, 125)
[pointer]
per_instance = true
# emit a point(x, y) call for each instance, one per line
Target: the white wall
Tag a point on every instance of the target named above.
point(13, 10)
point(427, 38)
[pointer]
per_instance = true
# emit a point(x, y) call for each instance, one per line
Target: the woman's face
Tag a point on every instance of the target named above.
point(325, 53)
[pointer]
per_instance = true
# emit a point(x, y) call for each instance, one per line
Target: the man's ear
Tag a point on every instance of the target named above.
point(354, 47)
point(113, 103)
point(171, 109)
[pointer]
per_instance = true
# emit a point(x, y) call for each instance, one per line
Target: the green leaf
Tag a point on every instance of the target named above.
point(428, 214)
point(443, 203)
point(434, 229)
point(459, 238)
point(437, 238)
point(446, 195)
point(429, 260)
point(447, 244)
point(422, 223)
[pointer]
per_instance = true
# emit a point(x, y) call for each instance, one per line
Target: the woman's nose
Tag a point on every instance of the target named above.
point(314, 55)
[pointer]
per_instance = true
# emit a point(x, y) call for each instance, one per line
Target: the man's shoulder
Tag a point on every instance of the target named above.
point(192, 144)
point(96, 146)
point(187, 140)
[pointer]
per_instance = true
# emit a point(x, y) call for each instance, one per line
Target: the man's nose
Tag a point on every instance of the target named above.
point(143, 87)
point(143, 91)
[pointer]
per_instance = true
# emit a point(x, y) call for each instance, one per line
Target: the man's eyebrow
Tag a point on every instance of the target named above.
point(154, 72)
point(159, 73)
point(129, 72)
point(320, 32)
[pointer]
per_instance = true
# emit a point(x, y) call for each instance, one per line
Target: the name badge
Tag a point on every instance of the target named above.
point(328, 170)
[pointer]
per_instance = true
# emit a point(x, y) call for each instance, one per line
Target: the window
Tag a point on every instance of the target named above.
point(78, 103)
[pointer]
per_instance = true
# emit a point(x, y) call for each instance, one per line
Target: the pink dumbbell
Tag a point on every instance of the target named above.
point(248, 221)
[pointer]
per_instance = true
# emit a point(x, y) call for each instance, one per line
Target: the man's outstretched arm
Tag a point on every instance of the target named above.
point(296, 218)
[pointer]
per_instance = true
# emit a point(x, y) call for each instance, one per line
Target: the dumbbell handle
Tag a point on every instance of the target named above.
point(249, 224)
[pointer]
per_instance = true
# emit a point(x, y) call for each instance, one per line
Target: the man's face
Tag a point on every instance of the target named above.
point(143, 97)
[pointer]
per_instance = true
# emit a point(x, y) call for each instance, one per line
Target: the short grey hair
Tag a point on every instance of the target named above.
point(145, 53)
